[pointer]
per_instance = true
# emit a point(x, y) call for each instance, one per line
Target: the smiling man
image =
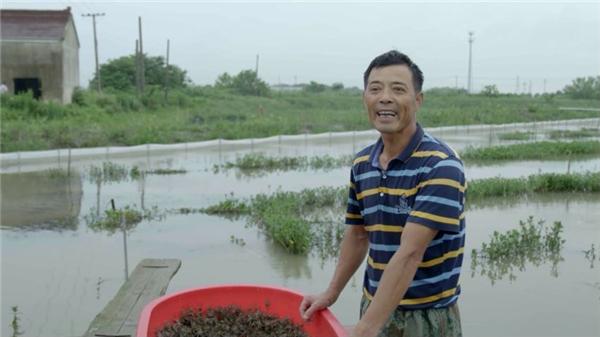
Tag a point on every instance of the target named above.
point(405, 210)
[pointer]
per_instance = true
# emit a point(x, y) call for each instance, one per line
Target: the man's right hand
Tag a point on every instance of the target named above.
point(312, 303)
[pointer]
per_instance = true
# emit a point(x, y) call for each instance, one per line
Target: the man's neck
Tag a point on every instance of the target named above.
point(394, 144)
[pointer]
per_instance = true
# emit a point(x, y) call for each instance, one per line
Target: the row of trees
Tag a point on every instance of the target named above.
point(120, 73)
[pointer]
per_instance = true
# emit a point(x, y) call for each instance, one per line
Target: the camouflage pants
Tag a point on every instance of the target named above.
point(443, 322)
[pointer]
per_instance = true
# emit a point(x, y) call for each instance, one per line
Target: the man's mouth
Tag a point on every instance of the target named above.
point(386, 113)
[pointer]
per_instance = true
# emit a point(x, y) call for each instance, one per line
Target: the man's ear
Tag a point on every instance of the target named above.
point(420, 99)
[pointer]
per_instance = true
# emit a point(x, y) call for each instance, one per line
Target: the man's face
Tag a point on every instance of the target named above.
point(390, 99)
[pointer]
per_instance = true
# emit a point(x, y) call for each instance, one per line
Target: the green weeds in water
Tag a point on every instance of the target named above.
point(249, 164)
point(237, 241)
point(288, 217)
point(111, 220)
point(517, 135)
point(581, 133)
point(166, 171)
point(537, 183)
point(109, 172)
point(590, 255)
point(508, 252)
point(532, 151)
point(14, 324)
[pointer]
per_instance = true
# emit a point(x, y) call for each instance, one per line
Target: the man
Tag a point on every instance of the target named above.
point(405, 209)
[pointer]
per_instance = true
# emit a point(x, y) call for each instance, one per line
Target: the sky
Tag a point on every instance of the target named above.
point(516, 45)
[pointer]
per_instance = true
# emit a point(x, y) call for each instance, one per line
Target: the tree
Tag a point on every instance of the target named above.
point(337, 86)
point(315, 87)
point(584, 88)
point(490, 91)
point(245, 83)
point(120, 73)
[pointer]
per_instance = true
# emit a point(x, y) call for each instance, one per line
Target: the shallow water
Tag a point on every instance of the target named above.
point(60, 273)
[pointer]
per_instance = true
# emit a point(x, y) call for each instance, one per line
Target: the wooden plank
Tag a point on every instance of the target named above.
point(148, 281)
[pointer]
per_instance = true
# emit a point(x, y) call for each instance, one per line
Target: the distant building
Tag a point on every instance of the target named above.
point(40, 52)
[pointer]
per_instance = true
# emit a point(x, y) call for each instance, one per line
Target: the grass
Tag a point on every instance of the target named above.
point(588, 182)
point(252, 162)
point(110, 221)
point(203, 113)
point(287, 216)
point(532, 151)
point(532, 242)
point(517, 135)
point(581, 133)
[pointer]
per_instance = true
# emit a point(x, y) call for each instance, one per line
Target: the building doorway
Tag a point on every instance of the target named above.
point(26, 84)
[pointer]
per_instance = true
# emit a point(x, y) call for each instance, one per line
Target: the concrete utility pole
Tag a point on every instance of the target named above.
point(142, 70)
point(94, 15)
point(517, 87)
point(256, 68)
point(470, 62)
point(167, 72)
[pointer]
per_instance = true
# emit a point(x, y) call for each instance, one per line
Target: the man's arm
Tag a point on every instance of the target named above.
point(396, 279)
point(353, 250)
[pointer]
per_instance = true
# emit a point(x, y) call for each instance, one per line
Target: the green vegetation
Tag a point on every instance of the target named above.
point(14, 324)
point(591, 255)
point(244, 83)
point(252, 162)
point(107, 173)
point(532, 151)
point(538, 183)
point(582, 133)
point(584, 88)
point(517, 135)
point(194, 113)
point(287, 216)
point(120, 73)
point(111, 220)
point(506, 252)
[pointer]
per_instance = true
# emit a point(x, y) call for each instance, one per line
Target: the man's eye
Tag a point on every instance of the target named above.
point(398, 89)
point(374, 89)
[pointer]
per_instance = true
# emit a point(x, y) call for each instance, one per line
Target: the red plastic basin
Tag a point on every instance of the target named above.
point(277, 301)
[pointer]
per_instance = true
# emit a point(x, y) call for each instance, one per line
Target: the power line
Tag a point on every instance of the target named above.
point(93, 15)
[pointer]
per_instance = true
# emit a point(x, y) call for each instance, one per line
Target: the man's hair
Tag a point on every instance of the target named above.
point(394, 57)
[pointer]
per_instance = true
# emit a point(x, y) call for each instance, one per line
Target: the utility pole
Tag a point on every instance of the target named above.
point(167, 72)
point(469, 87)
point(142, 70)
point(544, 85)
point(517, 87)
point(137, 68)
point(455, 82)
point(256, 68)
point(94, 15)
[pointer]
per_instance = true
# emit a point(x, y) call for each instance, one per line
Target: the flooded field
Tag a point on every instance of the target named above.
point(59, 272)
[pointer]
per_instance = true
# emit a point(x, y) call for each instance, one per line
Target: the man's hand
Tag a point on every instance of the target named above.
point(312, 303)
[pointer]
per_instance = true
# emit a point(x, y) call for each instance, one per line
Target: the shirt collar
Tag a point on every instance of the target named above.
point(410, 148)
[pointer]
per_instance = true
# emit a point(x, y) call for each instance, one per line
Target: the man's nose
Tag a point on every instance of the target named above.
point(385, 97)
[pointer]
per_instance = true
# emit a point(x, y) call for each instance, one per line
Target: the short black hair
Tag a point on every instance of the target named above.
point(394, 57)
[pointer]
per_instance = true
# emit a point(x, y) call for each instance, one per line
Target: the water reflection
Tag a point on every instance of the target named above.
point(288, 265)
point(41, 200)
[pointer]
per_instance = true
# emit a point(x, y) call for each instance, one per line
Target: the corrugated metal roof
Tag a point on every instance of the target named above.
point(18, 24)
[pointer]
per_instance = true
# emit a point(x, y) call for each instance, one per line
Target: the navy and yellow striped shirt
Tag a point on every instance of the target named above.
point(425, 184)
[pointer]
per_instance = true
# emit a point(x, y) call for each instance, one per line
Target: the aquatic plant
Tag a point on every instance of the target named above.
point(249, 164)
point(517, 135)
point(14, 324)
point(590, 255)
point(545, 150)
point(287, 217)
point(581, 133)
point(537, 183)
point(126, 218)
point(109, 172)
point(532, 242)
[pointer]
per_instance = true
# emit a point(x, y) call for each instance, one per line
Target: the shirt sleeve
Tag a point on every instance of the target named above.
point(353, 214)
point(439, 203)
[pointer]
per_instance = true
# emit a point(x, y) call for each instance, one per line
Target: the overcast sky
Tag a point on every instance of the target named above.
point(332, 42)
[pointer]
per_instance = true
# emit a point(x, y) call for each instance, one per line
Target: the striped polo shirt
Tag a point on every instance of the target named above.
point(425, 184)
